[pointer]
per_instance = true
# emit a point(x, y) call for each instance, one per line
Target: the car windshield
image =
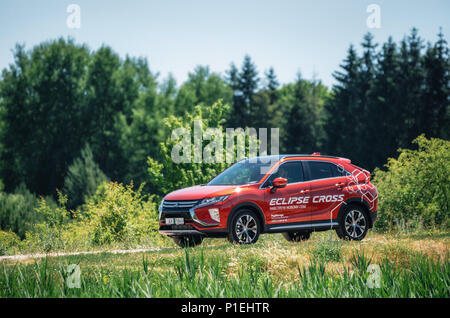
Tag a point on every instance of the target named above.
point(243, 172)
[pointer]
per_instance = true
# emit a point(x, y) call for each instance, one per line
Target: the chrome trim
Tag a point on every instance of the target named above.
point(302, 226)
point(179, 204)
point(175, 232)
point(196, 219)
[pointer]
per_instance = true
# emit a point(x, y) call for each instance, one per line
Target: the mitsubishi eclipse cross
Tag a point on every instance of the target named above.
point(289, 194)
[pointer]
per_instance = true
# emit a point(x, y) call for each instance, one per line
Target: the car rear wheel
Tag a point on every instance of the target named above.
point(353, 224)
point(245, 228)
point(297, 236)
point(187, 240)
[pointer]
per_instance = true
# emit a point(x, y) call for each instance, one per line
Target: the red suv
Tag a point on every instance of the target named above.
point(289, 194)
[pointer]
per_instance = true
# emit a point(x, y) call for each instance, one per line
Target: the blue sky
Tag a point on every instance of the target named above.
point(176, 35)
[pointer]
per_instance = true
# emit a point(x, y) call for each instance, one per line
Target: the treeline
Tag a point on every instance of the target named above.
point(72, 117)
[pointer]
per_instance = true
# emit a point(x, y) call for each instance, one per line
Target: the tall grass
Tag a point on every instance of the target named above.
point(195, 275)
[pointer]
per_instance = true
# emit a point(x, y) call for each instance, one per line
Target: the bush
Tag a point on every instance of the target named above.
point(83, 178)
point(48, 235)
point(414, 191)
point(8, 241)
point(17, 211)
point(117, 213)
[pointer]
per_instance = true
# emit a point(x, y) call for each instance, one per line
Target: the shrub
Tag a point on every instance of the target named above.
point(17, 211)
point(414, 190)
point(117, 213)
point(48, 235)
point(8, 241)
point(83, 178)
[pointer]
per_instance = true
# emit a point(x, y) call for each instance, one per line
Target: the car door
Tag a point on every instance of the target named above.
point(291, 203)
point(327, 182)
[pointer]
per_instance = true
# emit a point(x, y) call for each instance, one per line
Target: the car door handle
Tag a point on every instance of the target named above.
point(340, 184)
point(304, 191)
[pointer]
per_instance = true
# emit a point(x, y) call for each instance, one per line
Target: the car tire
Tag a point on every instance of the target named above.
point(296, 236)
point(244, 228)
point(187, 240)
point(353, 224)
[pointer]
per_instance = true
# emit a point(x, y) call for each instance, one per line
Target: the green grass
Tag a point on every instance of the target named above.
point(321, 267)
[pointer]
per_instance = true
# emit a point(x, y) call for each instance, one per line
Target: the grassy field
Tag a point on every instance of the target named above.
point(383, 265)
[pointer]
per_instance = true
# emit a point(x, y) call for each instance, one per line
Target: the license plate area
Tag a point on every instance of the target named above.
point(176, 221)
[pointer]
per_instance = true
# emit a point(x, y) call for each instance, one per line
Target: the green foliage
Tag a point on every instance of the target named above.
point(83, 178)
point(415, 188)
point(17, 211)
point(8, 241)
point(42, 114)
point(166, 175)
point(48, 235)
point(117, 213)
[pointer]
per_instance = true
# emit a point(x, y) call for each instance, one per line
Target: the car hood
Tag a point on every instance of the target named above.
point(200, 192)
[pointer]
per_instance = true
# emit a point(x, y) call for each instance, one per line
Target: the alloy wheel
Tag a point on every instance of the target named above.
point(355, 224)
point(246, 229)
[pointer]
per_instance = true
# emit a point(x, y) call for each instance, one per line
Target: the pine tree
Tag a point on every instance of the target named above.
point(301, 120)
point(244, 85)
point(341, 119)
point(434, 118)
point(272, 85)
point(82, 179)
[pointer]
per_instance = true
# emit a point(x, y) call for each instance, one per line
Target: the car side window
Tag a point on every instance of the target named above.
point(321, 170)
point(339, 171)
point(292, 171)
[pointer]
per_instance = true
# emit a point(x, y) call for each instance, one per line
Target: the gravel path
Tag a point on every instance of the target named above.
point(28, 256)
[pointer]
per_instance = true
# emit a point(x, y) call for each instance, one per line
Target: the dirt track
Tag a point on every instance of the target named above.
point(28, 256)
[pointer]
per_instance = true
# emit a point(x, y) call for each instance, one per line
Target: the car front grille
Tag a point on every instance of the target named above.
point(178, 209)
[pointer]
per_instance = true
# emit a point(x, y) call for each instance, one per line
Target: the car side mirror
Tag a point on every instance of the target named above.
point(278, 183)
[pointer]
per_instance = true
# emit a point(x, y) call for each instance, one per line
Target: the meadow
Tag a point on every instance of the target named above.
point(397, 264)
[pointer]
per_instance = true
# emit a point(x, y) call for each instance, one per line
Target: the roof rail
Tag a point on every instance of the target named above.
point(309, 155)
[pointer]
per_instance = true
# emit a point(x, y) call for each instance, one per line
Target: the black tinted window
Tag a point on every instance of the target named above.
point(321, 170)
point(292, 171)
point(338, 171)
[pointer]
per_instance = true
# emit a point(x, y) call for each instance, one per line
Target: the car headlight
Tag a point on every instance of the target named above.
point(213, 200)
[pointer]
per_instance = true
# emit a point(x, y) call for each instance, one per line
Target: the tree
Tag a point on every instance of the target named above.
point(385, 107)
point(435, 116)
point(82, 179)
point(272, 85)
point(165, 175)
point(340, 116)
point(301, 120)
point(244, 85)
point(43, 106)
point(202, 87)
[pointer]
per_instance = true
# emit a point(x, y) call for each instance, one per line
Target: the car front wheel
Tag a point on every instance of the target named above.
point(245, 228)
